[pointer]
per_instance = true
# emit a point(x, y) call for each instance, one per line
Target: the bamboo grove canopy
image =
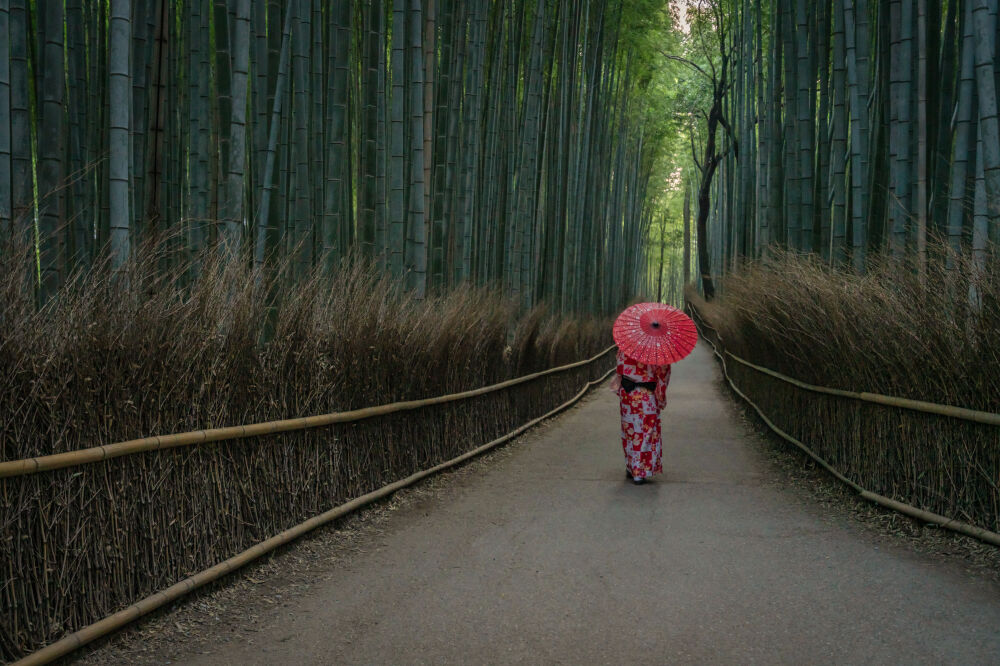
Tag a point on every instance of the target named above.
point(497, 142)
point(858, 127)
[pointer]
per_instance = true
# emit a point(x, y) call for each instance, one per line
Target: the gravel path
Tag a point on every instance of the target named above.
point(546, 554)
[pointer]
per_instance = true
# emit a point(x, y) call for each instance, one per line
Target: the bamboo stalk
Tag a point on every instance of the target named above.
point(267, 232)
point(232, 208)
point(50, 95)
point(5, 109)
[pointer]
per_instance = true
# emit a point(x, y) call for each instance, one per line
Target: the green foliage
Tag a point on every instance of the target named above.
point(673, 98)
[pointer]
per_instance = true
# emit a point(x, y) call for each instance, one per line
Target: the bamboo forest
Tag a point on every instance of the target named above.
point(449, 142)
point(267, 264)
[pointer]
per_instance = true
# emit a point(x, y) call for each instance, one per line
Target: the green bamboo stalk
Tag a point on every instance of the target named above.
point(232, 218)
point(161, 79)
point(51, 165)
point(197, 198)
point(775, 221)
point(223, 78)
point(416, 250)
point(22, 194)
point(965, 137)
point(445, 110)
point(429, 60)
point(369, 128)
point(473, 114)
point(138, 58)
point(78, 212)
point(268, 234)
point(381, 141)
point(337, 191)
point(213, 125)
point(838, 144)
point(900, 86)
point(6, 201)
point(856, 47)
point(302, 222)
point(984, 20)
point(120, 174)
point(821, 55)
point(759, 78)
point(805, 123)
point(939, 124)
point(527, 176)
point(284, 200)
point(879, 185)
point(980, 213)
point(919, 241)
point(259, 70)
point(318, 148)
point(793, 194)
point(397, 138)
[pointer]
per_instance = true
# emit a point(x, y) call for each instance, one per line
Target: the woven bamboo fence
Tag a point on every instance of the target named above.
point(937, 458)
point(83, 541)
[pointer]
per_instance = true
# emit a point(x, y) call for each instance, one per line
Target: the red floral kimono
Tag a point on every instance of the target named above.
point(641, 416)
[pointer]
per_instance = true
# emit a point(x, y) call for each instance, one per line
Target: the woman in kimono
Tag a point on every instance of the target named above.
point(642, 390)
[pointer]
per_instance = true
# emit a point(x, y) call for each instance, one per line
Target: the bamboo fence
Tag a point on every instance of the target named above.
point(88, 537)
point(922, 459)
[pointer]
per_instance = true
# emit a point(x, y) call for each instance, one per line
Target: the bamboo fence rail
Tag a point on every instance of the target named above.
point(84, 542)
point(974, 415)
point(156, 443)
point(915, 512)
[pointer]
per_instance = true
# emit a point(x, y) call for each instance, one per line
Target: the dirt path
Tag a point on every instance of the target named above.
point(548, 555)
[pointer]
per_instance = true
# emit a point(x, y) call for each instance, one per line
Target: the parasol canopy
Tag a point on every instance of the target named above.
point(655, 333)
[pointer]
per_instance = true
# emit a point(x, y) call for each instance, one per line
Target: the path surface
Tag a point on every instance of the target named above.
point(552, 557)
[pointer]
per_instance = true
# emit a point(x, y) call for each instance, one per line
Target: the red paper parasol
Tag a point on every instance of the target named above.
point(655, 333)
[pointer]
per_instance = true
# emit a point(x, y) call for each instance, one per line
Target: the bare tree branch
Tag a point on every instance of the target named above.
point(705, 51)
point(694, 151)
point(670, 56)
point(732, 136)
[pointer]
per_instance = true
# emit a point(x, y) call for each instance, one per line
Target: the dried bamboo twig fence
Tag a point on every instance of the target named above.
point(877, 398)
point(90, 536)
point(856, 447)
point(156, 443)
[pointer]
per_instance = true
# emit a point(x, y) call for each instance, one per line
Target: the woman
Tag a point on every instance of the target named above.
point(650, 337)
point(642, 390)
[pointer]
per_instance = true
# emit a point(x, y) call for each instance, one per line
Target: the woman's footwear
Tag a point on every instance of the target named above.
point(638, 480)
